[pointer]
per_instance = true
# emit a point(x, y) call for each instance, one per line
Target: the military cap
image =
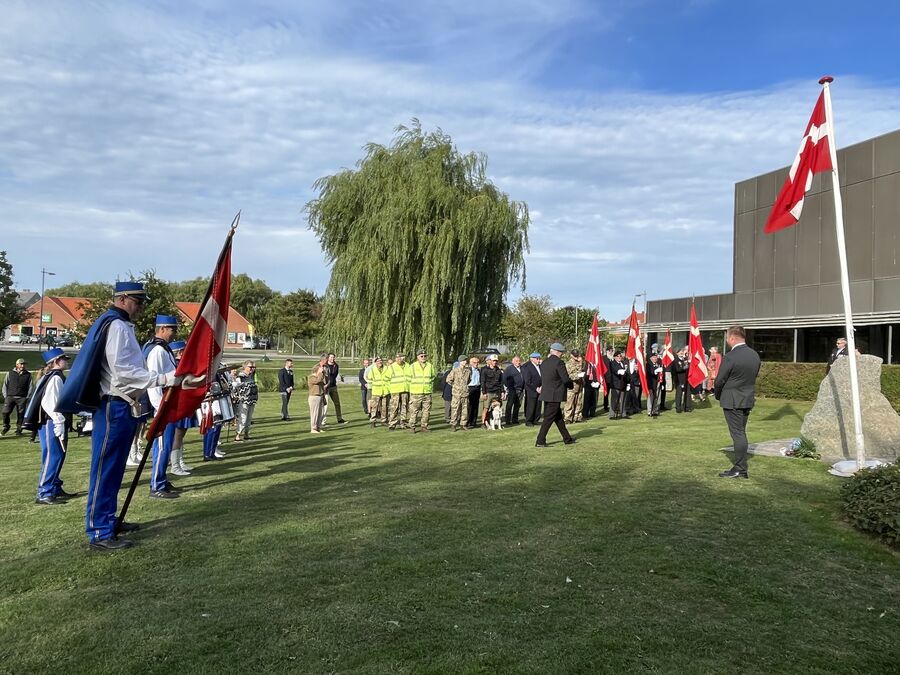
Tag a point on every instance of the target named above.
point(178, 344)
point(165, 320)
point(132, 289)
point(557, 347)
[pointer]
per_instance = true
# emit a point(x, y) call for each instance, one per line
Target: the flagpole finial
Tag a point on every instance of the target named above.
point(827, 79)
point(235, 222)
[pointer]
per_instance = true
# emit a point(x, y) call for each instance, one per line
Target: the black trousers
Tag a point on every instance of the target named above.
point(553, 414)
point(683, 400)
point(532, 408)
point(618, 403)
point(285, 399)
point(606, 402)
point(736, 418)
point(19, 403)
point(589, 407)
point(513, 403)
point(653, 400)
point(635, 399)
point(364, 393)
point(474, 404)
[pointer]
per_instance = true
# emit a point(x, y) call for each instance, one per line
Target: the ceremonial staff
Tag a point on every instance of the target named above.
point(200, 362)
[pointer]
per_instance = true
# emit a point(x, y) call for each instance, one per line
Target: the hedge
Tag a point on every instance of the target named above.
point(871, 502)
point(800, 381)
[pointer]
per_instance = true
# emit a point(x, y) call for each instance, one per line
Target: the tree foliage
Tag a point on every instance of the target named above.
point(10, 311)
point(191, 290)
point(161, 302)
point(76, 289)
point(296, 314)
point(423, 247)
point(533, 323)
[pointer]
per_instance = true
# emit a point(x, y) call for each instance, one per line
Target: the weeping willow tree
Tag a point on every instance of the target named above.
point(423, 247)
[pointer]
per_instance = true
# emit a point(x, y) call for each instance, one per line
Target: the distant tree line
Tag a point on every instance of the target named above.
point(295, 314)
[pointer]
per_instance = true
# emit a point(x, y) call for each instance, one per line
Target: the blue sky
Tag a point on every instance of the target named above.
point(131, 132)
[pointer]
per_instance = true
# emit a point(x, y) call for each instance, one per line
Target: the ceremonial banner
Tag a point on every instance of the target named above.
point(635, 347)
point(697, 372)
point(204, 348)
point(594, 355)
point(667, 355)
point(813, 157)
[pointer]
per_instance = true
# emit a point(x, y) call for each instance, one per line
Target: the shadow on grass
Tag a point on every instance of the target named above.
point(787, 410)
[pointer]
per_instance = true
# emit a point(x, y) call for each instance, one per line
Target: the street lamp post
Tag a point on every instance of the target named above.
point(44, 274)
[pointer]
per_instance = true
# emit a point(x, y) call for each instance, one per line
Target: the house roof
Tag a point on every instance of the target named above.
point(236, 320)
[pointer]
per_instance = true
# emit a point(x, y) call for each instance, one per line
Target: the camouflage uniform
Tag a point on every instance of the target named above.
point(399, 390)
point(458, 379)
point(575, 395)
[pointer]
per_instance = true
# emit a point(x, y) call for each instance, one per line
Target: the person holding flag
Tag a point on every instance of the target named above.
point(697, 370)
point(108, 379)
point(666, 358)
point(634, 352)
point(161, 359)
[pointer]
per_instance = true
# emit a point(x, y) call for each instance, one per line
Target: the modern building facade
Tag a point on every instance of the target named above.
point(786, 286)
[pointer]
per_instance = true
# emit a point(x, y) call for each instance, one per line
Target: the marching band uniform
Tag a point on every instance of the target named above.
point(53, 429)
point(161, 359)
point(108, 376)
point(176, 459)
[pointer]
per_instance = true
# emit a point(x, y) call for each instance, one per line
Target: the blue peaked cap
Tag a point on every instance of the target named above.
point(135, 288)
point(52, 354)
point(178, 344)
point(166, 320)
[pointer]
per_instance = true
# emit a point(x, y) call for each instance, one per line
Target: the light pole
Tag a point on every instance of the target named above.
point(44, 274)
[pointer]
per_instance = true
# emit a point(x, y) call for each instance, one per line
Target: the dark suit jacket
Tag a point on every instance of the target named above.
point(285, 379)
point(736, 381)
point(616, 381)
point(513, 379)
point(554, 380)
point(531, 375)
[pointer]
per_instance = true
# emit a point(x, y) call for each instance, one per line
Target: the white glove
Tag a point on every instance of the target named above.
point(657, 370)
point(168, 379)
point(579, 375)
point(621, 371)
point(627, 387)
point(595, 385)
point(191, 381)
point(59, 429)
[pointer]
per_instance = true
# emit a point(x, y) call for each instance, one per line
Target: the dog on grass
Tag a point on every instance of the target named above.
point(496, 416)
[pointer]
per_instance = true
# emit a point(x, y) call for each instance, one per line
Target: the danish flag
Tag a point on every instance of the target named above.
point(697, 371)
point(635, 348)
point(594, 356)
point(203, 352)
point(667, 355)
point(814, 156)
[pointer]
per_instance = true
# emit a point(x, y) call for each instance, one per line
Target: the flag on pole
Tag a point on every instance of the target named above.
point(667, 356)
point(813, 157)
point(594, 355)
point(697, 371)
point(635, 348)
point(203, 352)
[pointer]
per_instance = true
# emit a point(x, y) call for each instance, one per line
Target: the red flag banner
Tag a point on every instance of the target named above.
point(697, 371)
point(635, 348)
point(813, 157)
point(594, 356)
point(203, 352)
point(667, 355)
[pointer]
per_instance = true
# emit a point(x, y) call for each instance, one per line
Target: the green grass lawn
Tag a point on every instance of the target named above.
point(362, 550)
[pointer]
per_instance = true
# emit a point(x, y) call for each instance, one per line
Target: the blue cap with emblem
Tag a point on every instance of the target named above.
point(178, 345)
point(164, 320)
point(535, 355)
point(133, 289)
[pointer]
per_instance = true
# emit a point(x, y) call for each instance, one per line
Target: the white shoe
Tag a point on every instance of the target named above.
point(176, 470)
point(175, 463)
point(134, 459)
point(218, 454)
point(182, 464)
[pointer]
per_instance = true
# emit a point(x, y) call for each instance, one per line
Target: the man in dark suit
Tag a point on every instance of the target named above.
point(554, 382)
point(531, 376)
point(679, 369)
point(513, 384)
point(840, 349)
point(286, 387)
point(735, 391)
point(617, 379)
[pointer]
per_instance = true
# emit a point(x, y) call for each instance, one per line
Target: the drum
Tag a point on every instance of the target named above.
point(221, 408)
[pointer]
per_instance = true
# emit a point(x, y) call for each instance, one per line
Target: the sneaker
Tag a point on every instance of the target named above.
point(161, 494)
point(178, 471)
point(219, 454)
point(342, 421)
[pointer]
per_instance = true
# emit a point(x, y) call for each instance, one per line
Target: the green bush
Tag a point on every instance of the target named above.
point(800, 381)
point(871, 502)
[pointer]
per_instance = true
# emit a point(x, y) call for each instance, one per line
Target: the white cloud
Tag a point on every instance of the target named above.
point(131, 135)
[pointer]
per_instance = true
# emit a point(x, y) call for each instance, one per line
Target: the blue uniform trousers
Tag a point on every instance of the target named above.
point(53, 454)
point(211, 441)
point(162, 450)
point(111, 439)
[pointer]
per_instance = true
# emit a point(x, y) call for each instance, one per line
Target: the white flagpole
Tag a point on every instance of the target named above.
point(845, 280)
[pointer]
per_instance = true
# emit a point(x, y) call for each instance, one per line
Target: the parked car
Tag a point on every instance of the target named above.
point(17, 339)
point(249, 344)
point(65, 341)
point(33, 339)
